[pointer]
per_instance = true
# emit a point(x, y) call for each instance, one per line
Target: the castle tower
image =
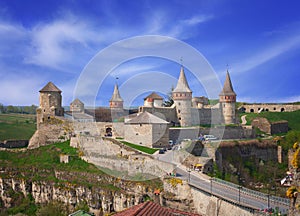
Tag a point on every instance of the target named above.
point(153, 100)
point(50, 103)
point(227, 99)
point(116, 102)
point(182, 96)
point(77, 106)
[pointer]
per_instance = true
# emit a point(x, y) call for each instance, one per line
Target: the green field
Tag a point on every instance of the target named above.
point(17, 126)
point(292, 117)
point(46, 158)
point(140, 148)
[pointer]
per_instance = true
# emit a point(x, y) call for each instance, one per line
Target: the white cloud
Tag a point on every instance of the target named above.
point(20, 90)
point(9, 30)
point(162, 23)
point(198, 19)
point(268, 53)
point(55, 43)
point(131, 68)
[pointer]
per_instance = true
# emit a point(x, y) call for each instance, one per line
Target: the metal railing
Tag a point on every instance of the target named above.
point(254, 193)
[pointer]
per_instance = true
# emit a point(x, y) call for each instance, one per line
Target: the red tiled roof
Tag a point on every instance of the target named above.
point(152, 209)
point(153, 95)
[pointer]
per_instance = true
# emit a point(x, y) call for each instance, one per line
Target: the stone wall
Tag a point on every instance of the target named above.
point(270, 128)
point(160, 134)
point(54, 129)
point(265, 150)
point(269, 107)
point(201, 202)
point(150, 135)
point(263, 124)
point(121, 159)
point(140, 134)
point(98, 128)
point(225, 132)
point(279, 127)
point(166, 113)
point(14, 143)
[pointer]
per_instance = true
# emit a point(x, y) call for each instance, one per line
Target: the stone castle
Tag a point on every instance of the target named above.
point(186, 110)
point(149, 124)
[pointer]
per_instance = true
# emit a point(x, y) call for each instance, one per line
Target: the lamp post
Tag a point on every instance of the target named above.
point(211, 185)
point(239, 187)
point(268, 195)
point(268, 200)
point(189, 175)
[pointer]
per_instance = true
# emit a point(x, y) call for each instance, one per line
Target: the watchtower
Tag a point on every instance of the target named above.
point(116, 102)
point(50, 103)
point(227, 99)
point(182, 97)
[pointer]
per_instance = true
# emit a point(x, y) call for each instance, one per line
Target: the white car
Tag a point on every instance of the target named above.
point(209, 137)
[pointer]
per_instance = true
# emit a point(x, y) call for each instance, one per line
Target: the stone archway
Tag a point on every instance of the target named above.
point(108, 132)
point(282, 109)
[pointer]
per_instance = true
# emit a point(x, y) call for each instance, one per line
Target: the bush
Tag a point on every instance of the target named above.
point(53, 208)
point(296, 159)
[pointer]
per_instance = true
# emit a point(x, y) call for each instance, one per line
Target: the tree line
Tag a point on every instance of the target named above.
point(18, 109)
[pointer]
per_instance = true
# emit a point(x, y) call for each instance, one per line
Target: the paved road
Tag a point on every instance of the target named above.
point(226, 190)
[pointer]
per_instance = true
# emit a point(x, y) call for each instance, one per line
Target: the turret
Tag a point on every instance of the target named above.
point(50, 103)
point(153, 100)
point(116, 102)
point(182, 96)
point(77, 106)
point(227, 99)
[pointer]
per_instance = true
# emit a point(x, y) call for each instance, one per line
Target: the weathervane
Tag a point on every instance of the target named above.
point(227, 66)
point(181, 61)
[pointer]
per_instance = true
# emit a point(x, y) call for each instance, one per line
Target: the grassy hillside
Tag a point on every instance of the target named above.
point(17, 126)
point(45, 160)
point(42, 164)
point(292, 117)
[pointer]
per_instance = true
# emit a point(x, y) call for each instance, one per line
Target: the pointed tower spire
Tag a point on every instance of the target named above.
point(116, 101)
point(227, 99)
point(227, 88)
point(182, 84)
point(182, 97)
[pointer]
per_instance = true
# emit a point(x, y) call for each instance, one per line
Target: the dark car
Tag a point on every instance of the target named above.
point(161, 151)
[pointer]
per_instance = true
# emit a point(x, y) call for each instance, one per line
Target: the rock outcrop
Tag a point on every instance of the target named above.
point(100, 200)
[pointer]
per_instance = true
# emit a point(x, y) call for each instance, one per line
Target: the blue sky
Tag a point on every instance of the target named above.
point(54, 41)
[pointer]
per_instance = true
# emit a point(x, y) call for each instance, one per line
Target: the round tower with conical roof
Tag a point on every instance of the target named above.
point(227, 99)
point(182, 97)
point(116, 102)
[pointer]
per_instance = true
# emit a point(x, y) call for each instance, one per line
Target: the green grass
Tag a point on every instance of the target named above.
point(140, 148)
point(17, 126)
point(45, 160)
point(292, 117)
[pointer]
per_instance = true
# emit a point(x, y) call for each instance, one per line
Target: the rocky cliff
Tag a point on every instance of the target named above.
point(101, 198)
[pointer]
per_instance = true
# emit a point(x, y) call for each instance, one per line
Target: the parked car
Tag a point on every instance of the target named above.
point(161, 151)
point(209, 137)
